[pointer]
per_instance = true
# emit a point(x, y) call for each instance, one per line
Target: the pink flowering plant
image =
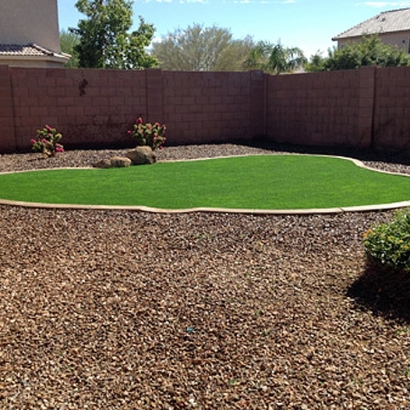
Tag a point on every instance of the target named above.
point(47, 141)
point(149, 134)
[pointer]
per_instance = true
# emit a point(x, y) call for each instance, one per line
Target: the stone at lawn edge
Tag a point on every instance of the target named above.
point(117, 162)
point(141, 155)
point(120, 162)
point(104, 163)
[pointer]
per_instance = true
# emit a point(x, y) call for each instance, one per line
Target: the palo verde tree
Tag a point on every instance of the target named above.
point(199, 48)
point(104, 37)
point(274, 58)
point(371, 51)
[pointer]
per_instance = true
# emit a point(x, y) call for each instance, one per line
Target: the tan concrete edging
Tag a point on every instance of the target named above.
point(364, 208)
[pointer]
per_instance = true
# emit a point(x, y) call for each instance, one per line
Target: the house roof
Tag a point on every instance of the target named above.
point(385, 22)
point(28, 50)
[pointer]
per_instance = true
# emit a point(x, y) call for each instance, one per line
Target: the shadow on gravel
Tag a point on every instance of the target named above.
point(384, 291)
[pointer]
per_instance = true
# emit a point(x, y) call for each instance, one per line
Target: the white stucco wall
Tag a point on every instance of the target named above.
point(399, 39)
point(30, 62)
point(30, 21)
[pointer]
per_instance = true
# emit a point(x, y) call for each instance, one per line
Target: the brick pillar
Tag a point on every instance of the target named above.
point(154, 89)
point(7, 133)
point(257, 104)
point(367, 84)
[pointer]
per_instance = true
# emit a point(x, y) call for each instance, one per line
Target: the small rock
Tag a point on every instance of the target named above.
point(120, 162)
point(117, 162)
point(104, 163)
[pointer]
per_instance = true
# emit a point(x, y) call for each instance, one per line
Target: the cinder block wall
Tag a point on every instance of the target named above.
point(328, 108)
point(95, 108)
point(7, 135)
point(392, 109)
point(364, 108)
point(90, 107)
point(202, 107)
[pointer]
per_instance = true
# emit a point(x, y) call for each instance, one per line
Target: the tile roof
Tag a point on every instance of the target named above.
point(26, 50)
point(385, 22)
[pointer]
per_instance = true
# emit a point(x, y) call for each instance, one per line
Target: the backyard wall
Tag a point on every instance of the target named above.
point(95, 108)
point(364, 108)
point(392, 109)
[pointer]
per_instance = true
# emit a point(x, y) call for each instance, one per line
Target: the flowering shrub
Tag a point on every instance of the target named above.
point(152, 135)
point(389, 243)
point(47, 141)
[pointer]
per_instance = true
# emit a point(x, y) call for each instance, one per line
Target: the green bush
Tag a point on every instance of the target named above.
point(389, 244)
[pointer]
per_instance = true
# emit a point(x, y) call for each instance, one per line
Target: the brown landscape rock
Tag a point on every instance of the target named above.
point(120, 162)
point(114, 162)
point(141, 155)
point(104, 163)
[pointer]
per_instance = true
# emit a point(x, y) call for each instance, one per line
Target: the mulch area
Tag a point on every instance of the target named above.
point(135, 310)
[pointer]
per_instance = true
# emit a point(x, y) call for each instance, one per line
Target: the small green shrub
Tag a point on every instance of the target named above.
point(389, 244)
point(152, 135)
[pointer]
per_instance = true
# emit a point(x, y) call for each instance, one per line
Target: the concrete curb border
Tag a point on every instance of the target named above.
point(336, 210)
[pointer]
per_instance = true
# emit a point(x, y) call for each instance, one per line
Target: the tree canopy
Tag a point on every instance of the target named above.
point(199, 48)
point(68, 41)
point(371, 51)
point(104, 38)
point(274, 58)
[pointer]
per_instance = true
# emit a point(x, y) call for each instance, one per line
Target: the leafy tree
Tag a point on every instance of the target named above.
point(316, 63)
point(199, 48)
point(104, 38)
point(371, 51)
point(68, 41)
point(274, 58)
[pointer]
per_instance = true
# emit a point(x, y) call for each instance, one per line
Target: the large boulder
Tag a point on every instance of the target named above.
point(141, 155)
point(118, 162)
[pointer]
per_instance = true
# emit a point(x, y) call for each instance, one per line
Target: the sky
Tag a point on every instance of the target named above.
point(307, 24)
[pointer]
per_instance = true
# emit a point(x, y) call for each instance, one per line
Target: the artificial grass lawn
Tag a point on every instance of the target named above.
point(253, 182)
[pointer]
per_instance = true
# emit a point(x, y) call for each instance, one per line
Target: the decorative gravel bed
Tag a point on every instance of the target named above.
point(133, 310)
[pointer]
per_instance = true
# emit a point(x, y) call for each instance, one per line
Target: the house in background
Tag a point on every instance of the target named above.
point(393, 28)
point(29, 34)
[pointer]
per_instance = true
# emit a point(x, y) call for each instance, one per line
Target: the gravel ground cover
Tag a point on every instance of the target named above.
point(133, 310)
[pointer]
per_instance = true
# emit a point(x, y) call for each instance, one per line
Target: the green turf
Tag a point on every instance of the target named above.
point(254, 182)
